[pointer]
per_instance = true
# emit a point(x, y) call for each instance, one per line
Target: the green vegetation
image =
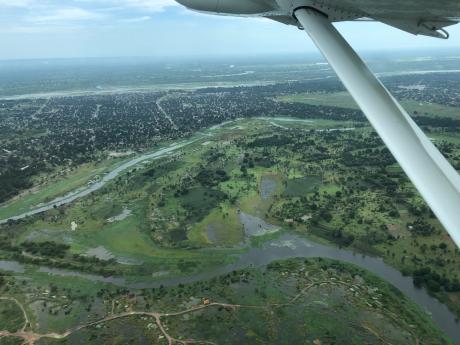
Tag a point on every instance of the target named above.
point(199, 201)
point(344, 100)
point(53, 185)
point(318, 301)
point(11, 316)
point(175, 215)
point(46, 248)
point(299, 187)
point(337, 99)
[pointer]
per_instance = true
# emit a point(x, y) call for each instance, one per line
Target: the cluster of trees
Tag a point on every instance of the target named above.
point(54, 254)
point(341, 238)
point(434, 282)
point(48, 248)
point(211, 177)
point(376, 157)
point(294, 209)
point(277, 140)
point(15, 175)
point(438, 122)
point(73, 263)
point(12, 183)
point(421, 227)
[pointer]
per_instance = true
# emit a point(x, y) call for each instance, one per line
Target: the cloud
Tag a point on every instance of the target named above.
point(142, 5)
point(136, 20)
point(36, 29)
point(16, 3)
point(149, 5)
point(70, 14)
point(43, 16)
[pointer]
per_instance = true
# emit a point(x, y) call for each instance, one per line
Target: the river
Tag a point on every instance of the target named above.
point(285, 247)
point(86, 190)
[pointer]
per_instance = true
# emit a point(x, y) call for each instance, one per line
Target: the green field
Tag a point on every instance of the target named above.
point(52, 188)
point(344, 100)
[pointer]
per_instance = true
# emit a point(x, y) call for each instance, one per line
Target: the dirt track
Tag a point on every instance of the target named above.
point(31, 337)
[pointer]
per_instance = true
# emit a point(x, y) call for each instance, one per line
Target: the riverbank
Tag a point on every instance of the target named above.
point(306, 289)
point(287, 246)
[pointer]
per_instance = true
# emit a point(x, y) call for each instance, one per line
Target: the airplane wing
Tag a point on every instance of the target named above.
point(437, 181)
point(419, 17)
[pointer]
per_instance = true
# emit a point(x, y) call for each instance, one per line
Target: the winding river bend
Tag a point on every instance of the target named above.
point(293, 246)
point(284, 247)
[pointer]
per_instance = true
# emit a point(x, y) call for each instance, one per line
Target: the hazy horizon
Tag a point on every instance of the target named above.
point(367, 54)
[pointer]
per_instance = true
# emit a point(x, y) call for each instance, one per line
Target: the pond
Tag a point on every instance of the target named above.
point(268, 185)
point(122, 216)
point(11, 266)
point(300, 187)
point(255, 226)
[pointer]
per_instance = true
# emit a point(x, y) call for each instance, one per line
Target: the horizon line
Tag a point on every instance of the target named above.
point(208, 57)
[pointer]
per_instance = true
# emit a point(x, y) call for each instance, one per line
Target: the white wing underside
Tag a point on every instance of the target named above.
point(419, 17)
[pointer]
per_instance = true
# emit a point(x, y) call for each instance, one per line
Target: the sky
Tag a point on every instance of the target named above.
point(47, 29)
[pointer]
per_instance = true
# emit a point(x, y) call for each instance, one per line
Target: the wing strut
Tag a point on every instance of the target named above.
point(431, 173)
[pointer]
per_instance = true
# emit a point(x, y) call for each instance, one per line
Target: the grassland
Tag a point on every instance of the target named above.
point(344, 100)
point(49, 187)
